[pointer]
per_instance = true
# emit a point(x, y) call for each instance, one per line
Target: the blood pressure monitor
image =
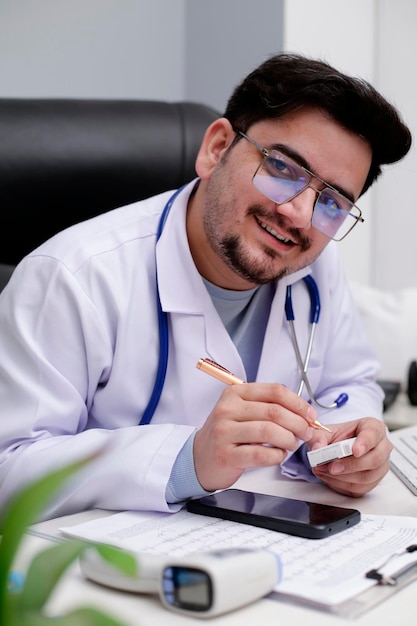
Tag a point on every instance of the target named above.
point(201, 584)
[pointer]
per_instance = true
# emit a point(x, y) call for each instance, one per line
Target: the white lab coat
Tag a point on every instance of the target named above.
point(79, 337)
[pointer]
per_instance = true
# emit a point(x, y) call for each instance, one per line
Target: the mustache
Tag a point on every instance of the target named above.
point(278, 220)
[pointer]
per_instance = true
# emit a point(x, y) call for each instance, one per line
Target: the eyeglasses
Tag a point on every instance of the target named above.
point(280, 178)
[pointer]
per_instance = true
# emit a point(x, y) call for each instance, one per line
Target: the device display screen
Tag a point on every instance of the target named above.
point(187, 588)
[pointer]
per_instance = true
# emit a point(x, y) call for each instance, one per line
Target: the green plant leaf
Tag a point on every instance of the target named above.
point(23, 511)
point(48, 566)
point(24, 607)
point(119, 558)
point(44, 572)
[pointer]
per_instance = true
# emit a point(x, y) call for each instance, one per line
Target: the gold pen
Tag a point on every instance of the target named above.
point(221, 373)
point(218, 371)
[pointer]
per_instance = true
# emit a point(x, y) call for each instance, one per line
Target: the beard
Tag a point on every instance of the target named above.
point(261, 268)
point(235, 255)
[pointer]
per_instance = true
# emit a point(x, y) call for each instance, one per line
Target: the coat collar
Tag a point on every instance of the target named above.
point(181, 288)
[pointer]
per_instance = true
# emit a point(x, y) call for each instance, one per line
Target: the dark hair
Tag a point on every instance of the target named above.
point(288, 82)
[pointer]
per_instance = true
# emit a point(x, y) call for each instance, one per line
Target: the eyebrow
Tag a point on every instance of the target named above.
point(300, 160)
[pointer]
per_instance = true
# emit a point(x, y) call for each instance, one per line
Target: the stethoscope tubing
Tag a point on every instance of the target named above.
point(315, 308)
point(162, 329)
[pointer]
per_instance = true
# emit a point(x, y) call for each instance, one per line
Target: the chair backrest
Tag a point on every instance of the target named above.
point(63, 161)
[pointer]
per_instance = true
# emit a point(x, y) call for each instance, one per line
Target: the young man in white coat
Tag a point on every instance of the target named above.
point(278, 178)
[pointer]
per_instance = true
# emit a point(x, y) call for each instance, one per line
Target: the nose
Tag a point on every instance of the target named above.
point(299, 210)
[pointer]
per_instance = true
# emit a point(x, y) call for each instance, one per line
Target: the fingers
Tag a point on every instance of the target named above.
point(220, 458)
point(360, 473)
point(259, 431)
point(356, 484)
point(271, 402)
point(252, 425)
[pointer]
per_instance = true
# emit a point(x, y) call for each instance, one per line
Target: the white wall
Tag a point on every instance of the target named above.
point(226, 39)
point(92, 48)
point(313, 28)
point(375, 39)
point(395, 198)
point(156, 49)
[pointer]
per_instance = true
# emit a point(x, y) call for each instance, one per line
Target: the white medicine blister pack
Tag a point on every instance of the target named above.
point(334, 451)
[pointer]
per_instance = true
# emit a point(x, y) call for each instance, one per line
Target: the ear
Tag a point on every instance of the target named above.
point(218, 137)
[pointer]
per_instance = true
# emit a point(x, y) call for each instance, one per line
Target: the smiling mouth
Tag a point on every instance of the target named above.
point(274, 233)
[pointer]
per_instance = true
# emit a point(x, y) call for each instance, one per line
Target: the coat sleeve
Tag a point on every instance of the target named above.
point(56, 353)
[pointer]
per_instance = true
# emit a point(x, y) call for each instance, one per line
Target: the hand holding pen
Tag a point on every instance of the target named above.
point(221, 373)
point(250, 425)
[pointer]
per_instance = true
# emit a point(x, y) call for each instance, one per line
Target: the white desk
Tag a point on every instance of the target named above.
point(391, 497)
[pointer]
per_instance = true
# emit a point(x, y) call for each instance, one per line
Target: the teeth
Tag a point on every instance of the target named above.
point(273, 232)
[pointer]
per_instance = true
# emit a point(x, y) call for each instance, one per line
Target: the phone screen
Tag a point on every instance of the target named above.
point(294, 517)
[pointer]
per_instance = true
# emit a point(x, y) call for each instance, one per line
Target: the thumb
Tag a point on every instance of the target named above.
point(318, 440)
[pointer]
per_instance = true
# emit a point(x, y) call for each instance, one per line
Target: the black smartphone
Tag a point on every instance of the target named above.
point(294, 517)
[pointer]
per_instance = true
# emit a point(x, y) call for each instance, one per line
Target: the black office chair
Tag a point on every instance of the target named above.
point(63, 161)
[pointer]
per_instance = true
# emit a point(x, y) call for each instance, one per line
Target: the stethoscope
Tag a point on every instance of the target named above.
point(303, 365)
point(314, 319)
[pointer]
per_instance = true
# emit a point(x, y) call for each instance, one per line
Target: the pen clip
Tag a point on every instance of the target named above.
point(215, 364)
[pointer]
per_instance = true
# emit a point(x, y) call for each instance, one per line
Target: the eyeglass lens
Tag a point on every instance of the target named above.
point(280, 179)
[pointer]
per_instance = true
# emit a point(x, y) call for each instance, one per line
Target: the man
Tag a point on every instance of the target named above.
point(278, 179)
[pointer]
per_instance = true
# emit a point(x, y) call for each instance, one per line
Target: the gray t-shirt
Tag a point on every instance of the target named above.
point(245, 315)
